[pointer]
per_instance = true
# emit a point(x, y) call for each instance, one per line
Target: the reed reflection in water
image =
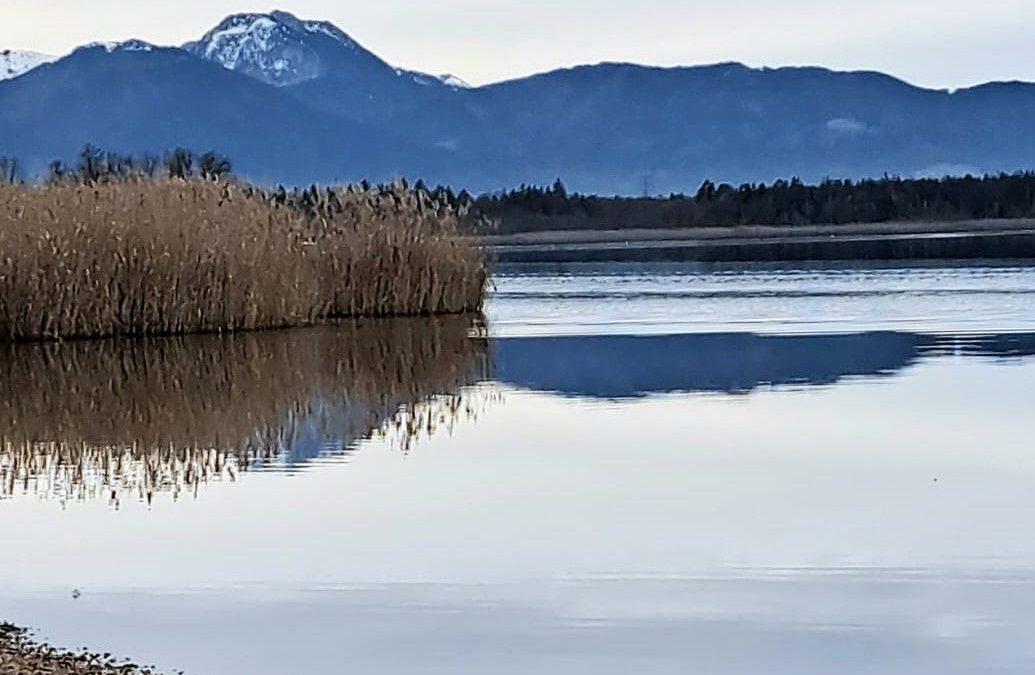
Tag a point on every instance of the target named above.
point(111, 419)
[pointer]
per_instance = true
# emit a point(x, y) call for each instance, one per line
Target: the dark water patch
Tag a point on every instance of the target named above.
point(747, 294)
point(963, 246)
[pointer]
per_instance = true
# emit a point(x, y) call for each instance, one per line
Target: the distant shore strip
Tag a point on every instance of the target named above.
point(904, 241)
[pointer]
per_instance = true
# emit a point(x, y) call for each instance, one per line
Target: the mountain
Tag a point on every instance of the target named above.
point(282, 50)
point(323, 67)
point(14, 63)
point(293, 100)
point(626, 128)
point(135, 98)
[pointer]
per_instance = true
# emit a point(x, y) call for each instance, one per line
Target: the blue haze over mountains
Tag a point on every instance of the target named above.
point(295, 102)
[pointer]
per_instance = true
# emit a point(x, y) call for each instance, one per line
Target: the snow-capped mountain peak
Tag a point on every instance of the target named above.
point(277, 48)
point(14, 63)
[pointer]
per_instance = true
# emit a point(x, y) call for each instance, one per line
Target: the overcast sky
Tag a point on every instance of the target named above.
point(937, 43)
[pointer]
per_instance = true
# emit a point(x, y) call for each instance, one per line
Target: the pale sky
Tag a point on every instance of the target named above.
point(936, 43)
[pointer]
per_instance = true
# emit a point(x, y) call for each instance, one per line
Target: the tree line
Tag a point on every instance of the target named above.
point(535, 208)
point(531, 208)
point(94, 165)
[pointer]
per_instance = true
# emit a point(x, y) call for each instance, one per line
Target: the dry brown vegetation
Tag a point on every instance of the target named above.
point(20, 655)
point(145, 256)
point(129, 418)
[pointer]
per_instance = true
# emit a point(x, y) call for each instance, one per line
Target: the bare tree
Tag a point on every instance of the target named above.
point(214, 166)
point(180, 163)
point(8, 170)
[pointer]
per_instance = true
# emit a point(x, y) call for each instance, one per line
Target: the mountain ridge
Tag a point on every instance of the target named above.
point(612, 127)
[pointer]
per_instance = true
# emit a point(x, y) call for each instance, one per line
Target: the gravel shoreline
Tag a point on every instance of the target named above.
point(21, 655)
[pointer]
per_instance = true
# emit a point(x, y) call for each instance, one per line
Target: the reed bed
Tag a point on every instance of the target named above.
point(403, 248)
point(158, 256)
point(113, 419)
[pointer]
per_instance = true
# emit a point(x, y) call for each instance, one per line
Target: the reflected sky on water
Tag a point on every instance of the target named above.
point(635, 501)
point(798, 298)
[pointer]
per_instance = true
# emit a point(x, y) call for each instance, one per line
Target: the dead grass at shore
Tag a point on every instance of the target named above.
point(20, 655)
point(157, 257)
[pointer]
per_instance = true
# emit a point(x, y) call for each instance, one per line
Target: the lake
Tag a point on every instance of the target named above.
point(621, 469)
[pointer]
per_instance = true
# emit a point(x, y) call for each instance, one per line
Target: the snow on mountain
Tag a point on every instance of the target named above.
point(324, 27)
point(313, 57)
point(425, 80)
point(14, 63)
point(126, 46)
point(276, 48)
point(453, 81)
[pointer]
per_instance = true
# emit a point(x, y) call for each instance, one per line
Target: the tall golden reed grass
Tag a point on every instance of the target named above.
point(111, 418)
point(144, 256)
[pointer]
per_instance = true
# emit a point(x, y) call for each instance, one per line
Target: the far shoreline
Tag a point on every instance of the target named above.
point(901, 240)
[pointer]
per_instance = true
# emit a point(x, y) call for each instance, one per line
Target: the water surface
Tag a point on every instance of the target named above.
point(654, 470)
point(763, 298)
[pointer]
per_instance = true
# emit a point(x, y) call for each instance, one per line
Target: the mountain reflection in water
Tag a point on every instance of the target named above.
point(627, 366)
point(115, 418)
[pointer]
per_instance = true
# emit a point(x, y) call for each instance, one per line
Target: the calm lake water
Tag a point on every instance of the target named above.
point(630, 470)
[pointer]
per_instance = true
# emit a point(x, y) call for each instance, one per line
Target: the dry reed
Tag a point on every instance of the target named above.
point(103, 419)
point(402, 248)
point(168, 256)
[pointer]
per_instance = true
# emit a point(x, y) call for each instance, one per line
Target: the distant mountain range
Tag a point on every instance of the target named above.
point(296, 101)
